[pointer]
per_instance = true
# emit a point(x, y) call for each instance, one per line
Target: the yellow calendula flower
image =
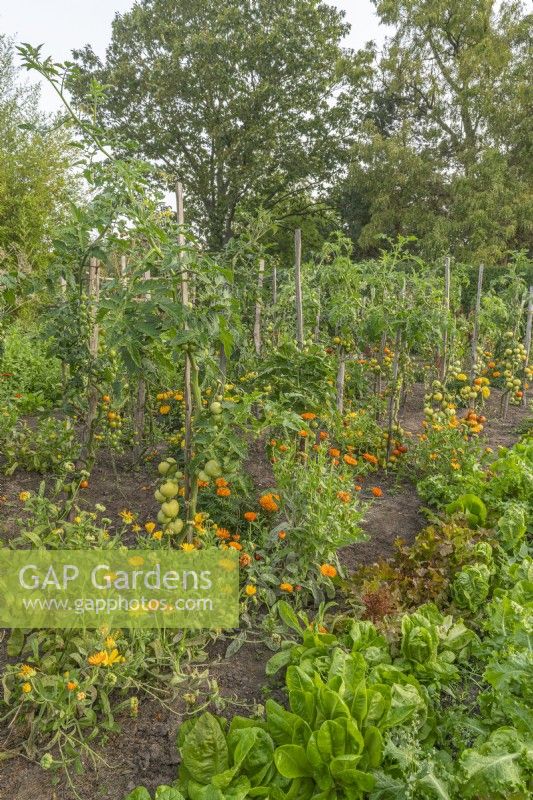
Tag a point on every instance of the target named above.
point(127, 516)
point(23, 496)
point(97, 659)
point(250, 590)
point(165, 409)
point(26, 688)
point(188, 547)
point(157, 535)
point(106, 659)
point(150, 527)
point(110, 643)
point(26, 671)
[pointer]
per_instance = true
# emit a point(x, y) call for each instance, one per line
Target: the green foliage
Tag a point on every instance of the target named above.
point(443, 154)
point(31, 377)
point(251, 88)
point(33, 171)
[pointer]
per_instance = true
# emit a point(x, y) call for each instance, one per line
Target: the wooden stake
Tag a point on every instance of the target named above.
point(395, 393)
point(140, 405)
point(187, 388)
point(447, 284)
point(92, 390)
point(475, 333)
point(298, 281)
point(341, 374)
point(64, 364)
point(527, 338)
point(258, 303)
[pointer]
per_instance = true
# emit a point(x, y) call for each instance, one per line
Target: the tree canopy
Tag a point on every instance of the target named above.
point(236, 98)
point(445, 150)
point(33, 168)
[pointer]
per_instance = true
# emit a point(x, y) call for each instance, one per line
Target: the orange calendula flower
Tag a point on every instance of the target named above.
point(350, 460)
point(245, 560)
point(303, 434)
point(268, 503)
point(164, 410)
point(357, 487)
point(235, 545)
point(221, 483)
point(328, 570)
point(308, 416)
point(283, 448)
point(334, 453)
point(282, 535)
point(202, 484)
point(344, 497)
point(323, 435)
point(286, 587)
point(223, 533)
point(250, 590)
point(372, 459)
point(223, 491)
point(376, 491)
point(250, 516)
point(71, 685)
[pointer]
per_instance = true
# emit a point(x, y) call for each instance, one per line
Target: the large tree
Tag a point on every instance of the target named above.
point(236, 98)
point(33, 168)
point(446, 149)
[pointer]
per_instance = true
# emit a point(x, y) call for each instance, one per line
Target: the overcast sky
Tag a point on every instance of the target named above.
point(62, 25)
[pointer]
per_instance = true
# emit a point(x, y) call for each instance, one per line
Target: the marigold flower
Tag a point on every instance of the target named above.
point(344, 497)
point(202, 484)
point(328, 570)
point(268, 503)
point(286, 587)
point(235, 545)
point(26, 671)
point(357, 487)
point(250, 516)
point(283, 448)
point(245, 560)
point(334, 453)
point(97, 658)
point(350, 460)
point(308, 416)
point(223, 491)
point(223, 533)
point(250, 590)
point(303, 434)
point(376, 491)
point(26, 688)
point(372, 459)
point(165, 409)
point(221, 483)
point(323, 435)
